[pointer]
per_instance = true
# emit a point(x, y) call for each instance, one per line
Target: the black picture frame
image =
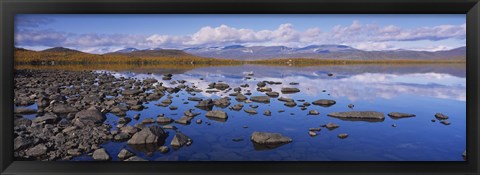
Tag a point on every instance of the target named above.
point(9, 8)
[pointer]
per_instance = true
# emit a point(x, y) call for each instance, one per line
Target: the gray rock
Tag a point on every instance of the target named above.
point(313, 112)
point(37, 151)
point(164, 149)
point(261, 84)
point(180, 140)
point(48, 118)
point(121, 136)
point(131, 92)
point(189, 113)
point(272, 94)
point(101, 155)
point(60, 108)
point(240, 97)
point(260, 99)
point(25, 110)
point(342, 136)
point(194, 99)
point(91, 117)
point(22, 122)
point(441, 116)
point(267, 113)
point(290, 104)
point(331, 126)
point(250, 111)
point(217, 114)
point(125, 154)
point(359, 115)
point(221, 86)
point(324, 102)
point(222, 102)
point(164, 120)
point(136, 158)
point(284, 99)
point(237, 107)
point(290, 90)
point(205, 104)
point(148, 135)
point(267, 138)
point(311, 133)
point(148, 121)
point(397, 115)
point(445, 122)
point(185, 120)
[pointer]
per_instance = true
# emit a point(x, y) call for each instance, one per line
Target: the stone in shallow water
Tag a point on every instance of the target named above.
point(101, 155)
point(342, 135)
point(217, 114)
point(313, 112)
point(266, 138)
point(324, 102)
point(441, 116)
point(359, 115)
point(180, 140)
point(397, 115)
point(289, 90)
point(260, 99)
point(149, 135)
point(125, 154)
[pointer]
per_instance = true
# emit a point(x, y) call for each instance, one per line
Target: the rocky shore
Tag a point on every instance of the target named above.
point(60, 115)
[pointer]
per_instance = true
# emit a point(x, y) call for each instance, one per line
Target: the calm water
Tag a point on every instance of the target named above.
point(419, 89)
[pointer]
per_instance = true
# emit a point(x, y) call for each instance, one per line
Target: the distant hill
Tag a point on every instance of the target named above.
point(60, 55)
point(154, 53)
point(61, 50)
point(341, 52)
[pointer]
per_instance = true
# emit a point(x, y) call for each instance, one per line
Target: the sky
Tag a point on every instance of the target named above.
point(99, 33)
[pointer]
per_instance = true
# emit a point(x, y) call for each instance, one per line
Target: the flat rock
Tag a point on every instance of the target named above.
point(313, 112)
point(397, 115)
point(324, 102)
point(250, 111)
point(37, 151)
point(359, 115)
point(217, 114)
point(267, 138)
point(260, 99)
point(24, 110)
point(164, 120)
point(290, 90)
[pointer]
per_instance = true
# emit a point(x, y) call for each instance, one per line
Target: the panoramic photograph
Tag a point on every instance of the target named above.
point(237, 87)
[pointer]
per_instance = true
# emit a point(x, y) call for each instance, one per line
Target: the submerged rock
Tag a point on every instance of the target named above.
point(331, 126)
point(359, 115)
point(290, 104)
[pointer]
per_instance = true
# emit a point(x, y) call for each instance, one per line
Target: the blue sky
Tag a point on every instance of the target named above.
point(104, 33)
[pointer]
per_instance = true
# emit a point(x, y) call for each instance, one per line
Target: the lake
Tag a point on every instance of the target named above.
point(423, 90)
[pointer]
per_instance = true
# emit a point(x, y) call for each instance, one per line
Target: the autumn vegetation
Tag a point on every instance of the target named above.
point(63, 58)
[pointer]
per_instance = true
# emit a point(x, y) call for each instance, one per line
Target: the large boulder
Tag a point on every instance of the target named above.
point(359, 115)
point(91, 117)
point(267, 138)
point(37, 151)
point(148, 135)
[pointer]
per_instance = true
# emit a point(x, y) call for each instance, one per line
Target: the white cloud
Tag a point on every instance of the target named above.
point(356, 34)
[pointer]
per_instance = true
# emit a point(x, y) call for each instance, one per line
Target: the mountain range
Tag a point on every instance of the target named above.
point(239, 52)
